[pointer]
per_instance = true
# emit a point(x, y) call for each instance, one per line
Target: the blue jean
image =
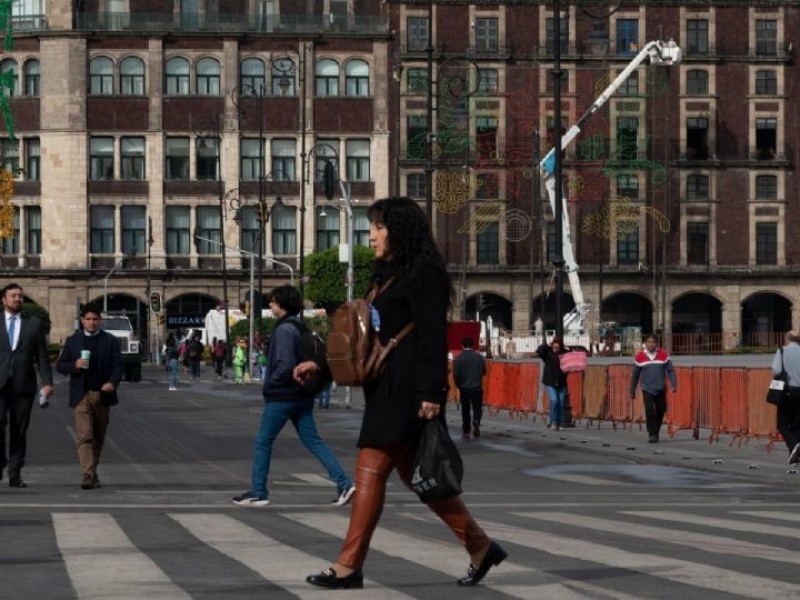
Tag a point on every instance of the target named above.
point(301, 414)
point(324, 397)
point(173, 372)
point(558, 399)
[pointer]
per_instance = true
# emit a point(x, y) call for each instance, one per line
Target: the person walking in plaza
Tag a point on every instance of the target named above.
point(469, 367)
point(171, 352)
point(412, 390)
point(554, 380)
point(195, 349)
point(219, 349)
point(239, 360)
point(789, 412)
point(285, 400)
point(23, 352)
point(652, 367)
point(93, 361)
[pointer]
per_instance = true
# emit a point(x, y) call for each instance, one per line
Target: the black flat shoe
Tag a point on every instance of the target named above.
point(16, 482)
point(494, 556)
point(328, 579)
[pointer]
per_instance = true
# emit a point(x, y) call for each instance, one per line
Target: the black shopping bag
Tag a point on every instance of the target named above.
point(438, 468)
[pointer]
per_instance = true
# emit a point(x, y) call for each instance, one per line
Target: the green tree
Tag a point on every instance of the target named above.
point(242, 328)
point(327, 277)
point(31, 309)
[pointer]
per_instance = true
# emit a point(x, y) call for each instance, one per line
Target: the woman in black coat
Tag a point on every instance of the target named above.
point(412, 389)
point(554, 379)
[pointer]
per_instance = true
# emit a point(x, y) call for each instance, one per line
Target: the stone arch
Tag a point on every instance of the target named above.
point(490, 304)
point(545, 307)
point(628, 309)
point(696, 322)
point(127, 304)
point(189, 308)
point(765, 316)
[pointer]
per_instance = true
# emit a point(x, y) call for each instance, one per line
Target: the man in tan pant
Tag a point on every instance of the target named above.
point(93, 361)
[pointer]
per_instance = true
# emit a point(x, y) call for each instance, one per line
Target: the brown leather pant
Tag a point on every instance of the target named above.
point(373, 467)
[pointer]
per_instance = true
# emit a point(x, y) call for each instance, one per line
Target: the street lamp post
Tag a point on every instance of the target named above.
point(558, 259)
point(117, 265)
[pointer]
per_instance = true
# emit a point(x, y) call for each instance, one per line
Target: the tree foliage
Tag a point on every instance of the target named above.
point(31, 309)
point(327, 277)
point(242, 328)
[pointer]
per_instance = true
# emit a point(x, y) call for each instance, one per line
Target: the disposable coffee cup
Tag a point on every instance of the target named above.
point(85, 354)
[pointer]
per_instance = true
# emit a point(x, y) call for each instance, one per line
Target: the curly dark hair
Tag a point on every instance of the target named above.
point(410, 235)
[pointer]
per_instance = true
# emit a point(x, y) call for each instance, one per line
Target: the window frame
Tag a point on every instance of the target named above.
point(101, 232)
point(101, 76)
point(101, 160)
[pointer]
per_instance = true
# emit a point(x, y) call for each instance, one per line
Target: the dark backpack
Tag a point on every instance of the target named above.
point(355, 355)
point(312, 347)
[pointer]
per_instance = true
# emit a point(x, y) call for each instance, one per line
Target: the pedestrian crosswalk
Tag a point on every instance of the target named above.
point(617, 553)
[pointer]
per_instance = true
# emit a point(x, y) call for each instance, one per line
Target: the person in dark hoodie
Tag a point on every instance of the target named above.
point(285, 400)
point(554, 380)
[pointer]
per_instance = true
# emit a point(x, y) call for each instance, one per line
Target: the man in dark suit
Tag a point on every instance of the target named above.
point(22, 352)
point(93, 383)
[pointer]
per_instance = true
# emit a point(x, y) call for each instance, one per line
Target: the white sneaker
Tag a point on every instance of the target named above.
point(794, 457)
point(344, 496)
point(173, 389)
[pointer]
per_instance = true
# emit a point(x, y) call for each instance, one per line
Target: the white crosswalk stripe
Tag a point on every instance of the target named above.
point(102, 562)
point(771, 514)
point(705, 521)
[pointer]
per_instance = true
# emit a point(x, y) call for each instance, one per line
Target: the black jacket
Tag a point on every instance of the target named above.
point(108, 360)
point(552, 375)
point(417, 369)
point(30, 354)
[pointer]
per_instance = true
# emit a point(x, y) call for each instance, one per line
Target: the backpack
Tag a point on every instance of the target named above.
point(312, 347)
point(354, 351)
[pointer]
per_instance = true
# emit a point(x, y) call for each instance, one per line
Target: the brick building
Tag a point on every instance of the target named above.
point(141, 123)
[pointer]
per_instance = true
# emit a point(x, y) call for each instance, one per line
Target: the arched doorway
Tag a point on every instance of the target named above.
point(545, 307)
point(629, 309)
point(765, 317)
point(188, 311)
point(696, 324)
point(130, 306)
point(486, 304)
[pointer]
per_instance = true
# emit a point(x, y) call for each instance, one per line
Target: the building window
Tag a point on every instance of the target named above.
point(630, 87)
point(628, 186)
point(102, 229)
point(417, 34)
point(283, 159)
point(32, 77)
point(766, 139)
point(209, 227)
point(131, 77)
point(178, 234)
point(101, 158)
point(208, 77)
point(766, 187)
point(357, 152)
point(488, 81)
point(697, 36)
point(284, 231)
point(550, 232)
point(190, 14)
point(356, 78)
point(486, 137)
point(34, 215)
point(252, 159)
point(697, 138)
point(627, 138)
point(416, 137)
point(488, 244)
point(487, 186)
point(8, 71)
point(360, 227)
point(328, 229)
point(550, 40)
point(177, 77)
point(766, 37)
point(697, 187)
point(252, 77)
point(207, 158)
point(627, 37)
point(417, 81)
point(250, 226)
point(486, 34)
point(33, 159)
point(628, 248)
point(417, 185)
point(326, 76)
point(283, 77)
point(133, 223)
point(101, 76)
point(10, 155)
point(10, 245)
point(697, 243)
point(766, 83)
point(324, 153)
point(177, 159)
point(766, 243)
point(697, 82)
point(132, 158)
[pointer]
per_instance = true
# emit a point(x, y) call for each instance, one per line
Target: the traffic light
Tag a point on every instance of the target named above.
point(155, 302)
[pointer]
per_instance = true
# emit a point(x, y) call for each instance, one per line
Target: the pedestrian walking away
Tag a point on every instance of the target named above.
point(92, 359)
point(285, 400)
point(412, 389)
point(554, 380)
point(23, 352)
point(469, 367)
point(789, 411)
point(652, 368)
point(171, 356)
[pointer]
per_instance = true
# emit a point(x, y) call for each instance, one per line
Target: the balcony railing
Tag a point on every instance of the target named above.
point(235, 23)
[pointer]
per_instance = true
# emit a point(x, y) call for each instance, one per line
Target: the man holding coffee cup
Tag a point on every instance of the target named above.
point(93, 361)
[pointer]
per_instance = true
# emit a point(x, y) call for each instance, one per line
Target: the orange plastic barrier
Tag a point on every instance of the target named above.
point(705, 385)
point(619, 405)
point(529, 387)
point(681, 408)
point(595, 392)
point(761, 416)
point(575, 393)
point(511, 375)
point(733, 403)
point(495, 396)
